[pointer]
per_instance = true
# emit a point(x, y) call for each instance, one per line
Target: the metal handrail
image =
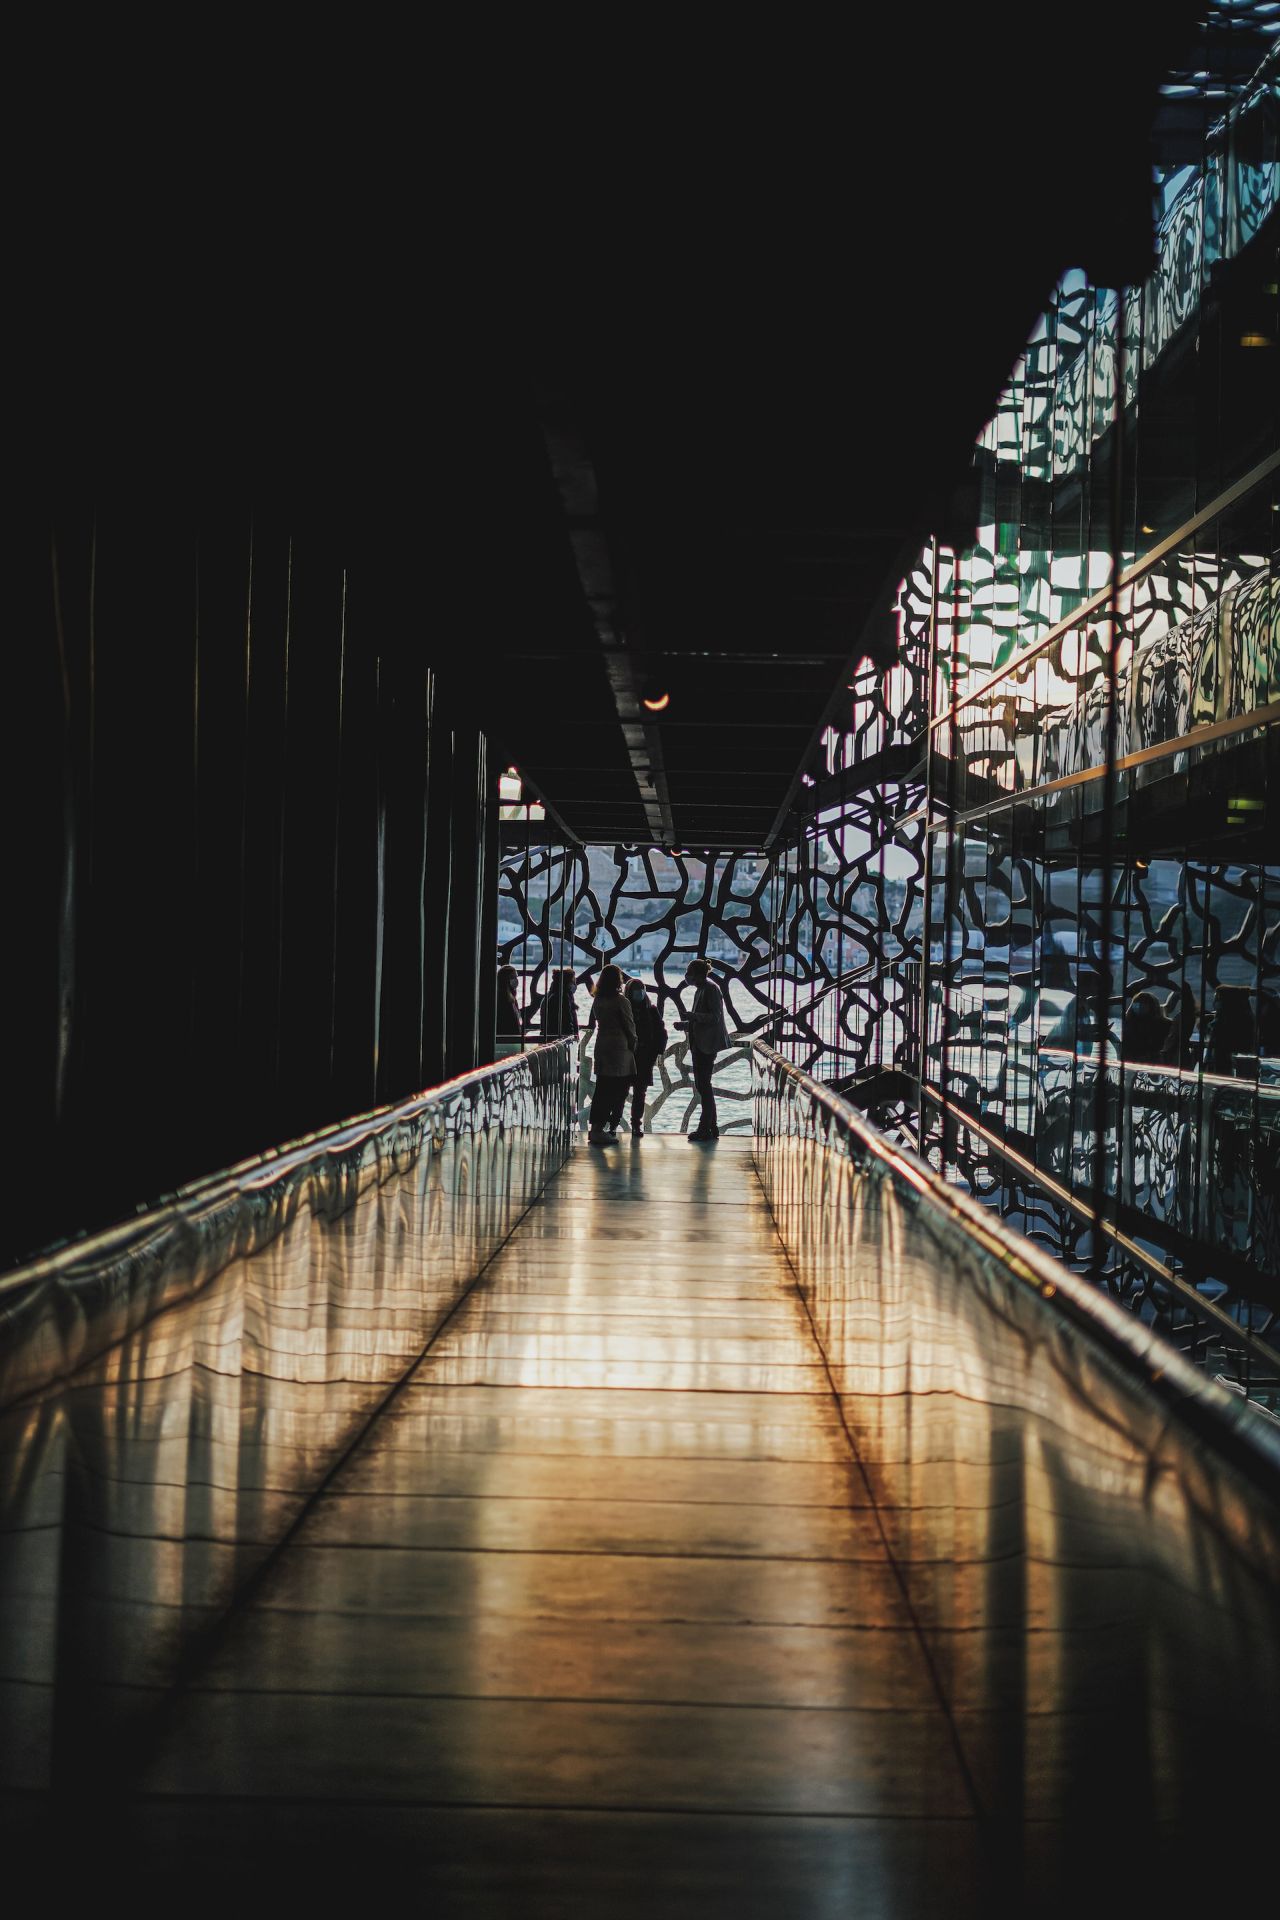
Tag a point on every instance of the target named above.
point(155, 1232)
point(1196, 1076)
point(1150, 1361)
point(903, 1011)
point(1098, 602)
point(252, 1172)
point(1190, 1295)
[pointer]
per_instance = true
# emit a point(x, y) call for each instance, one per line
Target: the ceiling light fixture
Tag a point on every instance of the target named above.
point(656, 702)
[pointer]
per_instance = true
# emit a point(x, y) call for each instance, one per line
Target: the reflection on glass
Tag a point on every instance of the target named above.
point(1090, 1544)
point(172, 1392)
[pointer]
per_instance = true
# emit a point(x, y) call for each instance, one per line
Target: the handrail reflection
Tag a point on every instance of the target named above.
point(1085, 1530)
point(179, 1388)
point(1150, 1362)
point(65, 1307)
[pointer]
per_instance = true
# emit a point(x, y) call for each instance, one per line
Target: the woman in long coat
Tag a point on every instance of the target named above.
point(615, 1031)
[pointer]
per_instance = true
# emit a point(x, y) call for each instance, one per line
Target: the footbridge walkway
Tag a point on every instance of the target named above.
point(754, 1527)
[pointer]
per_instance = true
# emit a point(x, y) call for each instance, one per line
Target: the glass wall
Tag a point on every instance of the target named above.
point(564, 912)
point(1091, 693)
point(1028, 912)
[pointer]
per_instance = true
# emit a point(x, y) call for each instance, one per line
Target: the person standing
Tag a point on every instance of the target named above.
point(509, 1023)
point(615, 1029)
point(1146, 1032)
point(1233, 1032)
point(1184, 1044)
point(559, 1014)
point(651, 1038)
point(708, 1036)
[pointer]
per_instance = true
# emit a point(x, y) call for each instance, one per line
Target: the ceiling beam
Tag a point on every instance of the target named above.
point(575, 478)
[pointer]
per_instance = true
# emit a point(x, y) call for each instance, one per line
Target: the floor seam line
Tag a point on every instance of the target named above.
point(930, 1664)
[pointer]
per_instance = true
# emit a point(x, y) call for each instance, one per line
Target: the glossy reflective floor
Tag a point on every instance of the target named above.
point(599, 1617)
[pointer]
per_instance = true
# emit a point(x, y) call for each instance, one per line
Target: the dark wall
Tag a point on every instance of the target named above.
point(249, 849)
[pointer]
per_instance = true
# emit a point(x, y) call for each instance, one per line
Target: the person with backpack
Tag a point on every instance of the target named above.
point(651, 1039)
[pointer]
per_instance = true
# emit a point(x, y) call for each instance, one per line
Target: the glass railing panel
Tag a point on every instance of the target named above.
point(176, 1390)
point(1086, 1528)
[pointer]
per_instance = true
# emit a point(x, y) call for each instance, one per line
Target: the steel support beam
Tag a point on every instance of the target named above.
point(575, 479)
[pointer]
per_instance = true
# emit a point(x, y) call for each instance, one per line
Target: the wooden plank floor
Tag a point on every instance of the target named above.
point(598, 1620)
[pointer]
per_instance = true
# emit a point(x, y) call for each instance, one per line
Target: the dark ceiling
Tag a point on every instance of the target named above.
point(776, 300)
point(634, 360)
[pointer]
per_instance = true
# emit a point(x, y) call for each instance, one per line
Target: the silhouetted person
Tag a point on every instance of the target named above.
point(615, 1027)
point(508, 1023)
point(1077, 1024)
point(1183, 1023)
point(1146, 1032)
point(1231, 1031)
point(1062, 1033)
point(651, 1038)
point(708, 1036)
point(559, 1008)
